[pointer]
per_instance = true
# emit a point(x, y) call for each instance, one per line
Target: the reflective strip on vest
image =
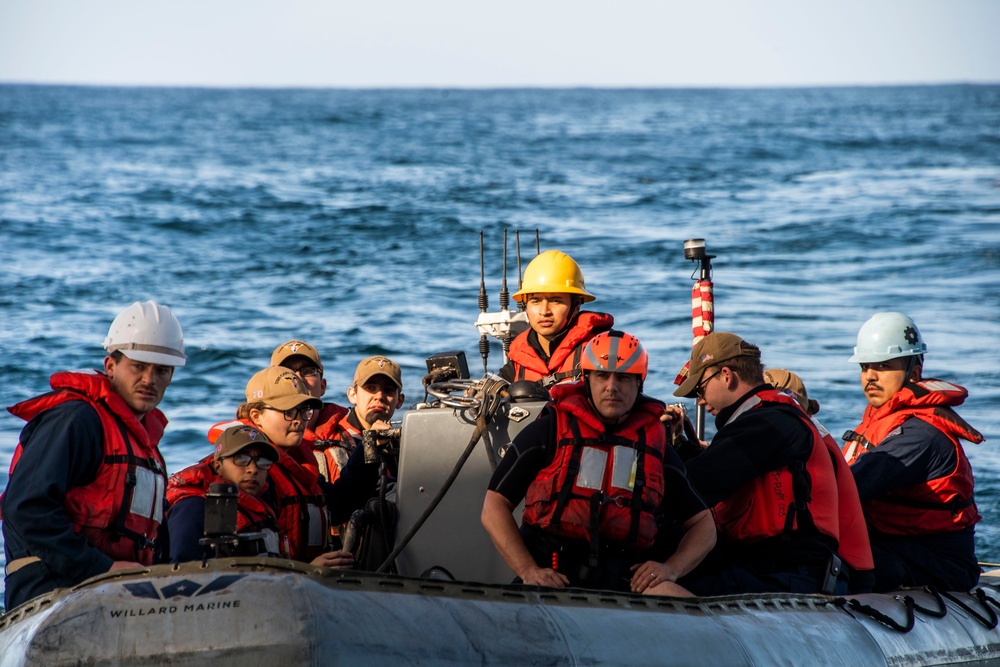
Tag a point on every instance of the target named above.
point(147, 496)
point(271, 542)
point(316, 527)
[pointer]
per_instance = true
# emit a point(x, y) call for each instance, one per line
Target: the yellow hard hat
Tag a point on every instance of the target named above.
point(553, 271)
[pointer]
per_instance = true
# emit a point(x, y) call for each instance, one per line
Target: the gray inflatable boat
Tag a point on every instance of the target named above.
point(451, 601)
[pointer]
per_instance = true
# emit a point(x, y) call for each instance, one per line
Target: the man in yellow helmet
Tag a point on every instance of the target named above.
point(553, 292)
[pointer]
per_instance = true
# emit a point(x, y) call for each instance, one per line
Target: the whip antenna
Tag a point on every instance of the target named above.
point(538, 244)
point(503, 325)
point(504, 293)
point(484, 304)
point(517, 243)
point(505, 296)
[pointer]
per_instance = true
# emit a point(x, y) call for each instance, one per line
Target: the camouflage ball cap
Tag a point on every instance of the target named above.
point(295, 348)
point(280, 388)
point(237, 438)
point(372, 366)
point(712, 350)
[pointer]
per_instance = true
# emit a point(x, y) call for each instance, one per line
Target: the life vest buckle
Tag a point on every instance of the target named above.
point(618, 501)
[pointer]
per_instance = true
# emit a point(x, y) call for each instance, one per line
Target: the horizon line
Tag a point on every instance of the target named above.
point(512, 86)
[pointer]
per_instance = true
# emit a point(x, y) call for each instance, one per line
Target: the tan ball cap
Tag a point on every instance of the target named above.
point(280, 388)
point(295, 348)
point(779, 378)
point(372, 366)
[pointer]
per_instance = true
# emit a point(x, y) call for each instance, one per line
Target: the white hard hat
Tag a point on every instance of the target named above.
point(147, 332)
point(888, 336)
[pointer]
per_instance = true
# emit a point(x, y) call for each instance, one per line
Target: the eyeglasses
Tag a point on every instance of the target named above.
point(699, 390)
point(307, 372)
point(243, 460)
point(305, 414)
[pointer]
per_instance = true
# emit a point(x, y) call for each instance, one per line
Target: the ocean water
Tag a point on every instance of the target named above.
point(351, 219)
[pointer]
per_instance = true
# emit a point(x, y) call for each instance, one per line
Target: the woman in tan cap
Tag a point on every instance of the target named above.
point(279, 404)
point(243, 457)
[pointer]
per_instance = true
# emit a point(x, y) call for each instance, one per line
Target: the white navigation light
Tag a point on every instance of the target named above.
point(694, 249)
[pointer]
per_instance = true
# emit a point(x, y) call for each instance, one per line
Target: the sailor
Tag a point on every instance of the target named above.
point(596, 472)
point(86, 488)
point(854, 545)
point(769, 476)
point(375, 395)
point(279, 405)
point(242, 458)
point(552, 293)
point(324, 426)
point(913, 476)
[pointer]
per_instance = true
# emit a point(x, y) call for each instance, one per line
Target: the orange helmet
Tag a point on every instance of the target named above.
point(615, 352)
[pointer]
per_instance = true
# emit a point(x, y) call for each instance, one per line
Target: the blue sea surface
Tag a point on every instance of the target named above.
point(351, 219)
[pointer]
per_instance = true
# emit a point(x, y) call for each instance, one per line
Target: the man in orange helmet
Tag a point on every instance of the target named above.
point(597, 474)
point(553, 292)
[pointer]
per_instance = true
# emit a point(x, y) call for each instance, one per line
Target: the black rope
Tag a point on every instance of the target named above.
point(942, 609)
point(990, 620)
point(875, 614)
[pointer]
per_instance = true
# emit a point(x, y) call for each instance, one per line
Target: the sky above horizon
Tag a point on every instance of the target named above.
point(389, 43)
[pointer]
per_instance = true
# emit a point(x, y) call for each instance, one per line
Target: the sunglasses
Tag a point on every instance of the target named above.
point(243, 460)
point(305, 414)
point(307, 371)
point(699, 389)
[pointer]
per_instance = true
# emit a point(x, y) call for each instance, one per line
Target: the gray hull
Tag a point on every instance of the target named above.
point(269, 612)
point(263, 612)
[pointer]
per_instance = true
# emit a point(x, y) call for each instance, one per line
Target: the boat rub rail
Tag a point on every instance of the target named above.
point(468, 590)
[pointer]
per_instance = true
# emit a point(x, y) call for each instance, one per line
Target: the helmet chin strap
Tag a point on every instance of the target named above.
point(910, 365)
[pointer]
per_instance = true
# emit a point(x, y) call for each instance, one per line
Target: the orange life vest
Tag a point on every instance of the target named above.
point(787, 499)
point(120, 511)
point(609, 481)
point(941, 505)
point(855, 547)
point(332, 442)
point(564, 361)
point(253, 514)
point(301, 509)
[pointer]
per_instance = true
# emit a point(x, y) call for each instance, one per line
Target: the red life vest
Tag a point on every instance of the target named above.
point(941, 505)
point(787, 499)
point(120, 511)
point(301, 510)
point(252, 516)
point(611, 481)
point(564, 361)
point(332, 441)
point(855, 547)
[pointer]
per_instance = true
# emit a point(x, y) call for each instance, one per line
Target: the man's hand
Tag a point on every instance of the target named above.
point(545, 576)
point(673, 416)
point(650, 574)
point(339, 560)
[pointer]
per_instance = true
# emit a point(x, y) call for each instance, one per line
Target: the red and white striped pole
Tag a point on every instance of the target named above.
point(702, 311)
